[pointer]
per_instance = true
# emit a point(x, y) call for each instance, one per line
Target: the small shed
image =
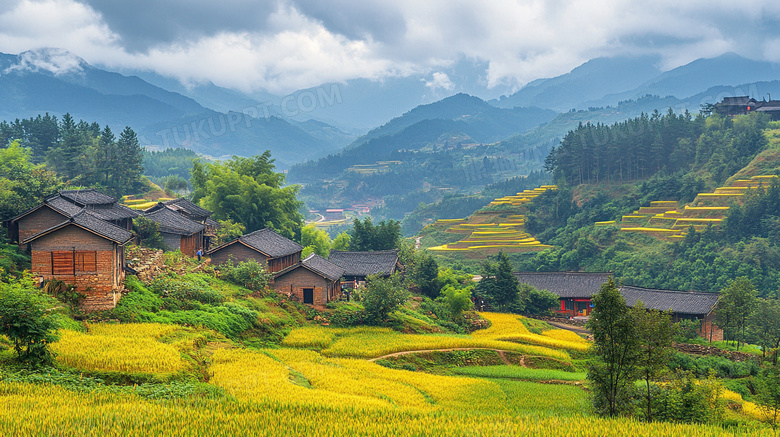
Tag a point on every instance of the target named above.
point(85, 251)
point(264, 246)
point(177, 231)
point(313, 281)
point(358, 265)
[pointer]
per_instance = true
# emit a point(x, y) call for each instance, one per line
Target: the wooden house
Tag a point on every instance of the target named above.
point(313, 281)
point(684, 305)
point(194, 213)
point(86, 251)
point(358, 265)
point(739, 105)
point(177, 231)
point(65, 204)
point(264, 246)
point(575, 290)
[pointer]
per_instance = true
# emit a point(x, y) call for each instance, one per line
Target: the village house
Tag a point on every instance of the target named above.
point(575, 290)
point(86, 251)
point(265, 246)
point(314, 281)
point(194, 213)
point(358, 265)
point(65, 204)
point(177, 231)
point(740, 105)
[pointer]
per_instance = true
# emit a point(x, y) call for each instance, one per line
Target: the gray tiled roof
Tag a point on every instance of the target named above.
point(189, 208)
point(323, 266)
point(114, 211)
point(365, 263)
point(63, 205)
point(87, 197)
point(90, 222)
point(270, 243)
point(172, 222)
point(680, 302)
point(565, 284)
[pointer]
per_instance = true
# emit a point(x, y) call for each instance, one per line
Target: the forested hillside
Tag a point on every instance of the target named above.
point(606, 172)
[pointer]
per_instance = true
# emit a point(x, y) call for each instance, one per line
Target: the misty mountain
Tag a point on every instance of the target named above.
point(481, 121)
point(590, 81)
point(55, 81)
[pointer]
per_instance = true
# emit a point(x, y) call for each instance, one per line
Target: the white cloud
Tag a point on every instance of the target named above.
point(440, 80)
point(295, 47)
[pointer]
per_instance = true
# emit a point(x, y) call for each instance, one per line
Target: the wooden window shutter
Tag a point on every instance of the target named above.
point(62, 262)
point(86, 261)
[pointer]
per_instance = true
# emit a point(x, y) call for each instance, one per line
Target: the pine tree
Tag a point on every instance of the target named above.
point(128, 166)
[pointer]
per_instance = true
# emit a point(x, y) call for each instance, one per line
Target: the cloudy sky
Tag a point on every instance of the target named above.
point(279, 46)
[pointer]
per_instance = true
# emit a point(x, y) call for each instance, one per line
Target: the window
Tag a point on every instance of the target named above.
point(62, 263)
point(86, 262)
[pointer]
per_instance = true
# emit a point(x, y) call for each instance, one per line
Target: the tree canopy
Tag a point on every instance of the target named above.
point(248, 191)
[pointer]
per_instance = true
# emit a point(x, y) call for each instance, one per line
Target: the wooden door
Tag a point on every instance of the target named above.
point(308, 296)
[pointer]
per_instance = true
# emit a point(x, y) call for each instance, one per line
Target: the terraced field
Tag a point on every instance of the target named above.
point(666, 219)
point(499, 227)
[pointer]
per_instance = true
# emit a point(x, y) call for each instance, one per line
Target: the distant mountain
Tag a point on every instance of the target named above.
point(483, 122)
point(590, 81)
point(726, 70)
point(605, 82)
point(439, 128)
point(55, 81)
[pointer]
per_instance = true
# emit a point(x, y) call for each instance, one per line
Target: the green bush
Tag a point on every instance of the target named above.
point(382, 296)
point(26, 318)
point(248, 274)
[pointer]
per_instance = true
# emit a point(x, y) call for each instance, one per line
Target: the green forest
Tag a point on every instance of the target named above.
point(659, 157)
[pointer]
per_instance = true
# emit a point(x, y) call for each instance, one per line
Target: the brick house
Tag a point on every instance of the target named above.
point(65, 204)
point(177, 231)
point(86, 251)
point(313, 281)
point(358, 265)
point(575, 290)
point(264, 246)
point(194, 213)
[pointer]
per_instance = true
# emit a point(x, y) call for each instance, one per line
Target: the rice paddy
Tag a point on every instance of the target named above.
point(664, 219)
point(489, 231)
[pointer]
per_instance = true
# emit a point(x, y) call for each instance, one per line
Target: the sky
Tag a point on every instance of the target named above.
point(279, 46)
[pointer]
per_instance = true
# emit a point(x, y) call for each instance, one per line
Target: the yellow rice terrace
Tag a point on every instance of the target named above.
point(321, 381)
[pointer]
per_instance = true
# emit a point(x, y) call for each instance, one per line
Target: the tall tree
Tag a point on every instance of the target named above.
point(654, 331)
point(315, 240)
point(128, 166)
point(616, 351)
point(240, 190)
point(737, 302)
point(499, 284)
point(764, 325)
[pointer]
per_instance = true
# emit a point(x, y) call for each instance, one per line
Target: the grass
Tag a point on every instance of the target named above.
point(522, 373)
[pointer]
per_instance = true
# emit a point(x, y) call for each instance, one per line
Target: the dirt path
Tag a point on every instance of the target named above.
point(422, 351)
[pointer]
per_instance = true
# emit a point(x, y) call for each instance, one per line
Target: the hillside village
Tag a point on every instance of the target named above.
point(205, 300)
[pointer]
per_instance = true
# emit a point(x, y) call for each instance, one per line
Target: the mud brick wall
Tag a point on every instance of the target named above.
point(293, 283)
point(239, 253)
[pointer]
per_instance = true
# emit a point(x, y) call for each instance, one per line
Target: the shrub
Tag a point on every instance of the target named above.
point(148, 232)
point(382, 296)
point(248, 274)
point(27, 320)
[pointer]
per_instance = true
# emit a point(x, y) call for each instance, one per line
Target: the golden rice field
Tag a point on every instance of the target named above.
point(121, 348)
point(504, 232)
point(663, 219)
point(292, 391)
point(514, 409)
point(506, 332)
